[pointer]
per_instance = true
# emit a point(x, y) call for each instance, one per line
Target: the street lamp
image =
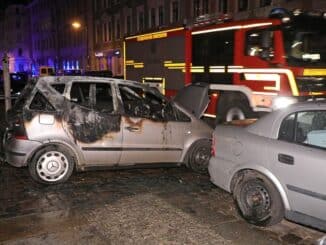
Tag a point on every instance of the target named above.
point(78, 26)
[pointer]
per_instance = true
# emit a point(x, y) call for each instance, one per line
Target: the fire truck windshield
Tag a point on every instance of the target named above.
point(306, 45)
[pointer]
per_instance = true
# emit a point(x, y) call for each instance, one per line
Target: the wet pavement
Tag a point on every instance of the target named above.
point(138, 206)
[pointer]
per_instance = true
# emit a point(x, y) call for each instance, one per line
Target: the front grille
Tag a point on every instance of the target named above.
point(311, 84)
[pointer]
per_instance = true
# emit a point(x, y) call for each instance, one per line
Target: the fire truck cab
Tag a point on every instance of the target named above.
point(251, 66)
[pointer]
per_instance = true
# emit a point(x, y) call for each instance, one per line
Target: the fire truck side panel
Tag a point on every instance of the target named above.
point(159, 58)
point(211, 53)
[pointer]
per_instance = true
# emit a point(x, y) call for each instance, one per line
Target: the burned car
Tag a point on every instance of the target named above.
point(59, 124)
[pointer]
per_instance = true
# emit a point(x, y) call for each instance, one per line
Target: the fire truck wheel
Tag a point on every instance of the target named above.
point(234, 110)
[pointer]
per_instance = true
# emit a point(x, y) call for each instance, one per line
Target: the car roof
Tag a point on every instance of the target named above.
point(268, 125)
point(67, 79)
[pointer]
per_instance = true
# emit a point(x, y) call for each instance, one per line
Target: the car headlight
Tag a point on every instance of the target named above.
point(282, 102)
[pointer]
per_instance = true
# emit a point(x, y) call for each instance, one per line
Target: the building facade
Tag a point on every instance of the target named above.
point(41, 34)
point(15, 40)
point(116, 19)
point(54, 41)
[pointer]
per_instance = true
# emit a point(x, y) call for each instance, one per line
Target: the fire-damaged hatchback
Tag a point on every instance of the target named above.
point(59, 124)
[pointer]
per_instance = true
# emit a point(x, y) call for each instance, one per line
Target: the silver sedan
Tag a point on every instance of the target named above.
point(276, 166)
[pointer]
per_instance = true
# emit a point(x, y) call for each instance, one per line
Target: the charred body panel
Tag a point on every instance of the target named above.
point(87, 125)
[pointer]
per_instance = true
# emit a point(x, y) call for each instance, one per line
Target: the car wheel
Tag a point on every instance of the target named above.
point(51, 165)
point(258, 200)
point(234, 110)
point(199, 156)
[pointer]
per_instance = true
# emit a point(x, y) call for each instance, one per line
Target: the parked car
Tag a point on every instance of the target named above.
point(275, 167)
point(62, 123)
point(17, 83)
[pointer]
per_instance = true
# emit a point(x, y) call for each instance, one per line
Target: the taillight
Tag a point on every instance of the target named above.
point(213, 147)
point(18, 130)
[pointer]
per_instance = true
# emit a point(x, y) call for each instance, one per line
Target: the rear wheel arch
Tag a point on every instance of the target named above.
point(266, 174)
point(69, 148)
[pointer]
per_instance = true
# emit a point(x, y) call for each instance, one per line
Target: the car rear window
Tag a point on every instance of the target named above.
point(25, 94)
point(40, 103)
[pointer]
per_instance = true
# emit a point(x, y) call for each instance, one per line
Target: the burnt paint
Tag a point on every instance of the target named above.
point(88, 125)
point(84, 124)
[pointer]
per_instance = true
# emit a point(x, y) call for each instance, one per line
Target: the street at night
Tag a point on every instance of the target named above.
point(139, 206)
point(162, 122)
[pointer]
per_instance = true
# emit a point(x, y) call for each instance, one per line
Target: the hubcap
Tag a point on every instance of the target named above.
point(52, 166)
point(235, 113)
point(257, 200)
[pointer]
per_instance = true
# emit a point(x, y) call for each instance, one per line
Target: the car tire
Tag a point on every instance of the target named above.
point(51, 165)
point(233, 110)
point(199, 155)
point(258, 200)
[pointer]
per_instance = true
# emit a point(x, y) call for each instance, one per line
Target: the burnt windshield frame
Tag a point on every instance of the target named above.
point(303, 42)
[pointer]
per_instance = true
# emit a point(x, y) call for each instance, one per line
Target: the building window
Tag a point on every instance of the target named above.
point(17, 24)
point(110, 31)
point(205, 6)
point(128, 28)
point(105, 32)
point(242, 5)
point(175, 11)
point(118, 30)
point(98, 31)
point(141, 21)
point(196, 8)
point(264, 3)
point(153, 18)
point(20, 52)
point(160, 16)
point(223, 6)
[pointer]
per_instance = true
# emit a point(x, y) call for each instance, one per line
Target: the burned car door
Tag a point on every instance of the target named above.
point(148, 132)
point(93, 122)
point(298, 159)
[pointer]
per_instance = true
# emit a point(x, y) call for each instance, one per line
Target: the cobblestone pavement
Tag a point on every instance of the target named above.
point(139, 206)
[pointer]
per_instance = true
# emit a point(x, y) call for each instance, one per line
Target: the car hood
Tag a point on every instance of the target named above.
point(194, 98)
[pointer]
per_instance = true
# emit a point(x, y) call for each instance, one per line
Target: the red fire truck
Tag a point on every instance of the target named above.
point(251, 66)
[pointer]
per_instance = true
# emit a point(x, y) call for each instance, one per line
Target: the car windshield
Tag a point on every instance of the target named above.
point(305, 43)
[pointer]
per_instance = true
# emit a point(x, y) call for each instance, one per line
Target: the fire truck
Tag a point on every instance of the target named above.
point(252, 66)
